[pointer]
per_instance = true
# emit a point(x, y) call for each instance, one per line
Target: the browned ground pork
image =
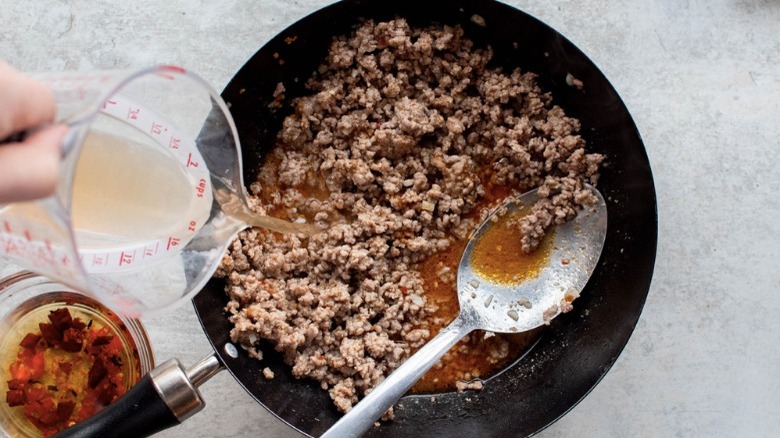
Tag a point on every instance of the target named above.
point(402, 133)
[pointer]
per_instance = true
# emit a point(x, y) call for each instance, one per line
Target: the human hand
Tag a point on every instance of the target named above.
point(28, 169)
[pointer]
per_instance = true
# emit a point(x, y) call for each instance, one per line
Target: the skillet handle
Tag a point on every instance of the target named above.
point(161, 399)
point(139, 413)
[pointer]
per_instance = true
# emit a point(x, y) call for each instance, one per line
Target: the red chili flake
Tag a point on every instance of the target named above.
point(78, 324)
point(96, 372)
point(404, 290)
point(50, 334)
point(16, 384)
point(46, 411)
point(65, 409)
point(72, 340)
point(106, 392)
point(49, 419)
point(65, 367)
point(30, 340)
point(116, 360)
point(14, 397)
point(61, 319)
point(102, 340)
point(32, 393)
point(19, 370)
point(37, 365)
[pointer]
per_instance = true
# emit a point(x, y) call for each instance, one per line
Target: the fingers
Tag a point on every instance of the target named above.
point(24, 102)
point(28, 170)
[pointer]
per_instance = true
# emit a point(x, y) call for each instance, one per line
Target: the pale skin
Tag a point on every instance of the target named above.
point(28, 169)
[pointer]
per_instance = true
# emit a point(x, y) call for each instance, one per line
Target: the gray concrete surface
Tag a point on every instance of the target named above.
point(702, 81)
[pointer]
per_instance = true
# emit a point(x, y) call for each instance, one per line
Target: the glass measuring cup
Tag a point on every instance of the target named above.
point(137, 217)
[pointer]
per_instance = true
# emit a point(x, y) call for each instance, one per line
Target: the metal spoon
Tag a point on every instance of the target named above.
point(495, 307)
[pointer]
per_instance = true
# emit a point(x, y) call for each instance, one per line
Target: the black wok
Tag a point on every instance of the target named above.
point(571, 356)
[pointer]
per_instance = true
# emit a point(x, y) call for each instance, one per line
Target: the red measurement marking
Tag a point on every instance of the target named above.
point(157, 128)
point(172, 241)
point(27, 235)
point(192, 226)
point(108, 102)
point(174, 68)
point(174, 143)
point(190, 162)
point(201, 188)
point(11, 247)
point(47, 242)
point(126, 259)
point(149, 252)
point(97, 260)
point(7, 227)
point(43, 255)
point(132, 113)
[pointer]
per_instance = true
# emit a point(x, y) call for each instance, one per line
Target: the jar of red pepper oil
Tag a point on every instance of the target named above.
point(63, 356)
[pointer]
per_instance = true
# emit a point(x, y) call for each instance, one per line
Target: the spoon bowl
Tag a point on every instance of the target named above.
point(532, 302)
point(499, 307)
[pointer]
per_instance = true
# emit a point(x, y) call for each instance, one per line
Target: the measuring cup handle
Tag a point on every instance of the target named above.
point(66, 144)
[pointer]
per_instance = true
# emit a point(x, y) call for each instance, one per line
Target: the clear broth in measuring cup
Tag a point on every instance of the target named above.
point(138, 196)
point(125, 191)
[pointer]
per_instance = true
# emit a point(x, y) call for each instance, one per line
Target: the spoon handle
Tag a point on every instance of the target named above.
point(363, 415)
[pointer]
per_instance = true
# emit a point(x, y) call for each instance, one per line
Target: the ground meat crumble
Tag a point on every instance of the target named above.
point(402, 132)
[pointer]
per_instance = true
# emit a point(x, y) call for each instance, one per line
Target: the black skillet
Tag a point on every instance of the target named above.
point(571, 356)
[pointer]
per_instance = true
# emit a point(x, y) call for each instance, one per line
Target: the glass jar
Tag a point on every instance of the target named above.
point(28, 301)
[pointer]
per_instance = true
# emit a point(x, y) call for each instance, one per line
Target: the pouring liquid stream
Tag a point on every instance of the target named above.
point(125, 191)
point(233, 207)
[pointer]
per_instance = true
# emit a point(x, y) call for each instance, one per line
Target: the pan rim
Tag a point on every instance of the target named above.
point(651, 237)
